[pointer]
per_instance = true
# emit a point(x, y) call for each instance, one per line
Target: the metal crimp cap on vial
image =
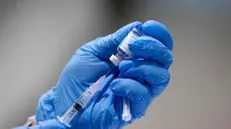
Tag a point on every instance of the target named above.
point(115, 60)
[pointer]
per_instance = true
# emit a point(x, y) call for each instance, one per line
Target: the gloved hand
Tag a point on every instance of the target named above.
point(49, 124)
point(139, 80)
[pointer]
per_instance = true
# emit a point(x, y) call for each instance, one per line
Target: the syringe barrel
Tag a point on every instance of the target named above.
point(84, 98)
point(76, 107)
point(81, 102)
point(68, 116)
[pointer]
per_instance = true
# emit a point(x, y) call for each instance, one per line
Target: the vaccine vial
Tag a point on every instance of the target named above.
point(123, 52)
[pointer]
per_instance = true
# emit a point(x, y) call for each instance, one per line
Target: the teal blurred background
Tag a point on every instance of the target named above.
point(38, 37)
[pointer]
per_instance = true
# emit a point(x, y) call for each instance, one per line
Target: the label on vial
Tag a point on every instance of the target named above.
point(123, 47)
point(128, 39)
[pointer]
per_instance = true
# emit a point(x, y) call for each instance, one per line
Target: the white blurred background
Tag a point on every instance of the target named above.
point(38, 37)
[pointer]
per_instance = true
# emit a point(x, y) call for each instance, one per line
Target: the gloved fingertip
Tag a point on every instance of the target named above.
point(151, 27)
point(158, 90)
point(121, 87)
point(170, 61)
point(159, 31)
point(122, 33)
point(139, 26)
point(125, 65)
point(114, 87)
point(113, 84)
point(137, 23)
point(130, 26)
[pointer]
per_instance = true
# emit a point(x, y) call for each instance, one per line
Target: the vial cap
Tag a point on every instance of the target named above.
point(114, 60)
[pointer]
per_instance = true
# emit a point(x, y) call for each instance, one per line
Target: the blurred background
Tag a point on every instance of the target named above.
point(38, 37)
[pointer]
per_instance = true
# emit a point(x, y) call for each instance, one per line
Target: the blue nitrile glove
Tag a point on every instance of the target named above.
point(48, 124)
point(139, 80)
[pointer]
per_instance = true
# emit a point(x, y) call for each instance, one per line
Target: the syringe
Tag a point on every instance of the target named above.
point(81, 103)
